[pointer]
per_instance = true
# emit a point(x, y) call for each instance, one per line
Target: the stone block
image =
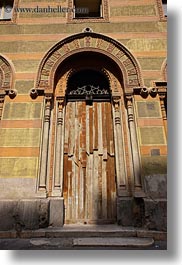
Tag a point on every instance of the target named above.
point(153, 165)
point(156, 186)
point(27, 215)
point(152, 135)
point(22, 111)
point(130, 211)
point(155, 214)
point(148, 109)
point(20, 215)
point(7, 212)
point(18, 167)
point(56, 211)
point(20, 137)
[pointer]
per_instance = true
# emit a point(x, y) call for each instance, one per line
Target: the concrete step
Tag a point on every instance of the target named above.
point(128, 242)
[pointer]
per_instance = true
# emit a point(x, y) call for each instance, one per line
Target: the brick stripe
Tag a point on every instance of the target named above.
point(149, 98)
point(151, 74)
point(120, 3)
point(134, 19)
point(58, 37)
point(24, 98)
point(20, 124)
point(25, 76)
point(19, 152)
point(146, 150)
point(150, 122)
point(42, 21)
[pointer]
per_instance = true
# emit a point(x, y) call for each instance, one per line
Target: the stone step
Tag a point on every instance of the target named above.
point(128, 242)
point(106, 231)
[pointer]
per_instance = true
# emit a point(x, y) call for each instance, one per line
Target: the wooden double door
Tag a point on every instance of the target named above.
point(89, 163)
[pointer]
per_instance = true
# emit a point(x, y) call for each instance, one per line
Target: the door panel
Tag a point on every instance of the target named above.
point(89, 163)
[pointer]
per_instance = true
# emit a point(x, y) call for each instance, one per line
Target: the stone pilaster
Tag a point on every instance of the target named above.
point(119, 149)
point(45, 144)
point(134, 144)
point(162, 96)
point(2, 95)
point(58, 169)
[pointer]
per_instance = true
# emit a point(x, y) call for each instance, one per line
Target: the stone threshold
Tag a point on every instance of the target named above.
point(73, 231)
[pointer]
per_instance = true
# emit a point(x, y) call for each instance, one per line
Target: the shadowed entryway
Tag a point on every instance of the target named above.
point(89, 156)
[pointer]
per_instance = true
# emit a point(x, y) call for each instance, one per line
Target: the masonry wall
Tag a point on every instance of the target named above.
point(139, 25)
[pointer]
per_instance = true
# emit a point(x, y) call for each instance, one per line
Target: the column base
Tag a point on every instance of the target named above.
point(56, 212)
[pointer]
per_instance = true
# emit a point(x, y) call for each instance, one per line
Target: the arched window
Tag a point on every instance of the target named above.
point(88, 85)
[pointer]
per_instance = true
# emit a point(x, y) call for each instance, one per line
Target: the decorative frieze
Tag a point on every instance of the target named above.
point(89, 41)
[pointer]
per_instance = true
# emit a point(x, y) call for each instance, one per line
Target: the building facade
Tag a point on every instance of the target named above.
point(83, 113)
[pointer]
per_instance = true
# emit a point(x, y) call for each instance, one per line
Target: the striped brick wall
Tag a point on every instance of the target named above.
point(136, 24)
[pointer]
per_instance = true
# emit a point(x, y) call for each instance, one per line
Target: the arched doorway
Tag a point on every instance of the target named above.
point(103, 59)
point(89, 157)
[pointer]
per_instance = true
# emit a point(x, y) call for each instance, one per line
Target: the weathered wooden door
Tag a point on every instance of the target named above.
point(89, 163)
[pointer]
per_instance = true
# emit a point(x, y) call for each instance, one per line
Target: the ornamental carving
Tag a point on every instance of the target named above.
point(6, 74)
point(89, 42)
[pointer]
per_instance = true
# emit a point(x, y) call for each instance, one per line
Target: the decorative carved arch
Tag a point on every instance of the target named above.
point(85, 42)
point(6, 74)
point(6, 81)
point(164, 70)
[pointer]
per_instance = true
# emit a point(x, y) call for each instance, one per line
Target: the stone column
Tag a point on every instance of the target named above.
point(162, 97)
point(2, 95)
point(59, 146)
point(119, 149)
point(134, 144)
point(45, 144)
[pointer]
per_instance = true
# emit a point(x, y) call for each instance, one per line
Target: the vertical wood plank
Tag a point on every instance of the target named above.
point(100, 127)
point(95, 185)
point(104, 190)
point(91, 129)
point(87, 130)
point(99, 215)
point(95, 126)
point(104, 124)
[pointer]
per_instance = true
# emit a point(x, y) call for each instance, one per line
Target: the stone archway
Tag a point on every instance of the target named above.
point(109, 58)
point(6, 81)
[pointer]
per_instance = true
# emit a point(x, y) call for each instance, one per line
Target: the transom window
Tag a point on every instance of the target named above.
point(6, 9)
point(88, 84)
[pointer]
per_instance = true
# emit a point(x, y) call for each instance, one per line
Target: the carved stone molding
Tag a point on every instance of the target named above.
point(2, 96)
point(160, 10)
point(89, 42)
point(6, 74)
point(164, 70)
